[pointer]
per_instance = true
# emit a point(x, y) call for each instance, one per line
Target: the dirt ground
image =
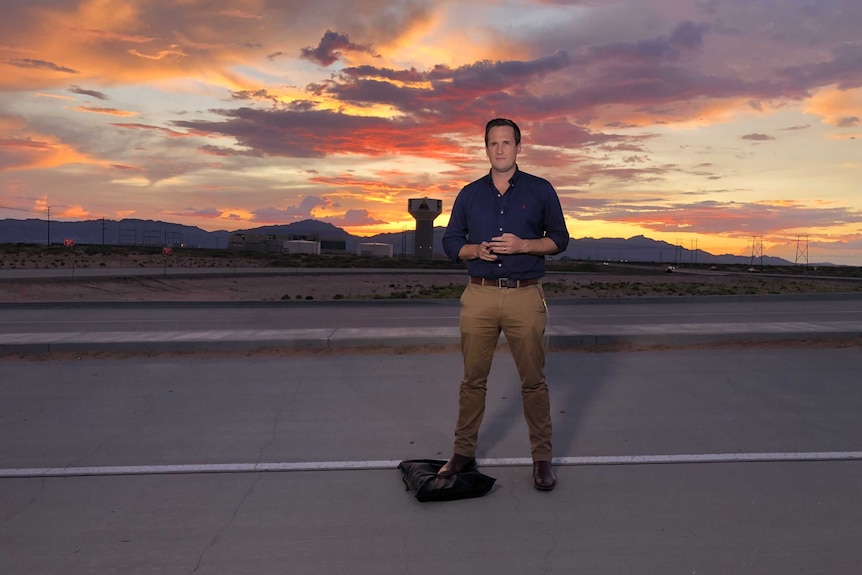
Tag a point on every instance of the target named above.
point(388, 285)
point(330, 285)
point(235, 284)
point(260, 287)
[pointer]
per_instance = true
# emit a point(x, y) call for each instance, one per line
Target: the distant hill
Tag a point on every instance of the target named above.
point(157, 233)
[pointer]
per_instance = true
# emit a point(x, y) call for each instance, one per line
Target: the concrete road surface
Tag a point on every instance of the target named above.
point(731, 461)
point(571, 323)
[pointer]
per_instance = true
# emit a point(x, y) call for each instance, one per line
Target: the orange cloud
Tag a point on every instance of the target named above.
point(55, 96)
point(690, 114)
point(236, 13)
point(44, 152)
point(74, 212)
point(161, 54)
point(842, 108)
point(161, 131)
point(107, 111)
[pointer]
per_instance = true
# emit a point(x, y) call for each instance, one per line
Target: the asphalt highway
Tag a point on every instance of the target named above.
point(743, 460)
point(401, 323)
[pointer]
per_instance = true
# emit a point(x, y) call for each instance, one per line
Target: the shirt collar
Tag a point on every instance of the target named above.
point(512, 181)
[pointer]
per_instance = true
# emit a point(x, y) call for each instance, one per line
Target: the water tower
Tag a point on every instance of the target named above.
point(424, 210)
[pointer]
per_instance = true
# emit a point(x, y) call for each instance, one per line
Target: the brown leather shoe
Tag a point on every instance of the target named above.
point(458, 464)
point(543, 476)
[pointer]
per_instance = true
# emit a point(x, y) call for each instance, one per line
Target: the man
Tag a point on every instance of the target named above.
point(503, 225)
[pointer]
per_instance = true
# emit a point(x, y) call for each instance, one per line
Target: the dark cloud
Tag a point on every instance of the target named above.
point(40, 64)
point(206, 213)
point(223, 152)
point(354, 218)
point(125, 168)
point(848, 122)
point(639, 75)
point(444, 94)
point(686, 36)
point(843, 68)
point(91, 93)
point(725, 218)
point(304, 210)
point(330, 49)
point(758, 137)
point(410, 75)
point(260, 94)
point(317, 133)
point(368, 85)
point(146, 127)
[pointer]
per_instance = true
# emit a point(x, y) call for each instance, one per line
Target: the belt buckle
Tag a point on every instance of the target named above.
point(506, 283)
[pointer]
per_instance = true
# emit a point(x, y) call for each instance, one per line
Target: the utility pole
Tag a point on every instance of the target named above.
point(48, 209)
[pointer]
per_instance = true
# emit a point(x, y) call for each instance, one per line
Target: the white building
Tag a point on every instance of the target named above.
point(301, 247)
point(374, 250)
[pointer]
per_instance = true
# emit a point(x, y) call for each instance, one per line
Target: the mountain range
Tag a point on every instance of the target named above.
point(158, 233)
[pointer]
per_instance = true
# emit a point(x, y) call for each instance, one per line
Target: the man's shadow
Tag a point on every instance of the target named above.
point(574, 380)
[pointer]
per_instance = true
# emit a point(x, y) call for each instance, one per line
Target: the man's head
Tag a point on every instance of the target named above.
point(503, 122)
point(502, 144)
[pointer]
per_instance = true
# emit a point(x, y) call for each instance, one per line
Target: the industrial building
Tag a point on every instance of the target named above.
point(301, 247)
point(275, 243)
point(371, 249)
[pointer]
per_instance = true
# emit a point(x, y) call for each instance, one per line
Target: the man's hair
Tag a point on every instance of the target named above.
point(503, 122)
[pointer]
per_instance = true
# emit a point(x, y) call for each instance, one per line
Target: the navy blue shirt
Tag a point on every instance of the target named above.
point(530, 209)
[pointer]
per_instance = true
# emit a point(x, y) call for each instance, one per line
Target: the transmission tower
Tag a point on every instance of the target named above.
point(128, 235)
point(152, 234)
point(802, 251)
point(757, 249)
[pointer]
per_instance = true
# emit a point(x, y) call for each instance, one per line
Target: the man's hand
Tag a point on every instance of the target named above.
point(485, 252)
point(512, 244)
point(477, 252)
point(508, 244)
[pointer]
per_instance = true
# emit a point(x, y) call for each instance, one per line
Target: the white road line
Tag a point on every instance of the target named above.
point(392, 464)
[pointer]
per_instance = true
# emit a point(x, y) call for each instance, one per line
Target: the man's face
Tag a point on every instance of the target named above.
point(502, 150)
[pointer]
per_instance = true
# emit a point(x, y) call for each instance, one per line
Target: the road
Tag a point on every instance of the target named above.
point(708, 461)
point(571, 323)
point(91, 449)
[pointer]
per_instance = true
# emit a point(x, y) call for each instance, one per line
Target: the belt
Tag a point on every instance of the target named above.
point(503, 282)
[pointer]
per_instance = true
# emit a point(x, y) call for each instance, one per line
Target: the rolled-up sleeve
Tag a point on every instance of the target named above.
point(555, 222)
point(455, 236)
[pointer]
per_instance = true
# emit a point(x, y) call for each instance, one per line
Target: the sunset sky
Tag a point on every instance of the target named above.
point(698, 122)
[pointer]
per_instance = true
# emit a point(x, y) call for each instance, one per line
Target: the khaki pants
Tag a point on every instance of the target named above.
point(521, 315)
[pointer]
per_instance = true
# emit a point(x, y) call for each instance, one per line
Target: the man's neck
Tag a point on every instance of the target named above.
point(501, 179)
